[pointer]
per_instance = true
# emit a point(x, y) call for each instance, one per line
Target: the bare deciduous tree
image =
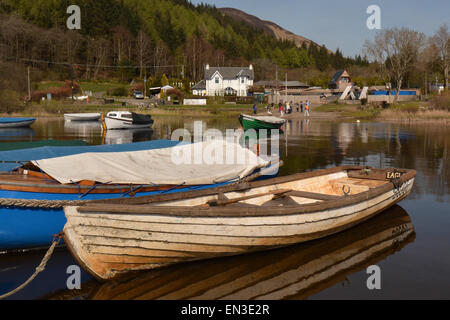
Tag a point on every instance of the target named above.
point(143, 46)
point(440, 46)
point(396, 52)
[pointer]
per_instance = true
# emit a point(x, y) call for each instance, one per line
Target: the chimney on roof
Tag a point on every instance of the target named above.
point(207, 66)
point(251, 67)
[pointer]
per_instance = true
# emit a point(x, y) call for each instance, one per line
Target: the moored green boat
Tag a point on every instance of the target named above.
point(260, 122)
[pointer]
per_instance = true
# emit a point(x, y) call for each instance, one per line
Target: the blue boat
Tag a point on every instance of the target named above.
point(31, 202)
point(16, 122)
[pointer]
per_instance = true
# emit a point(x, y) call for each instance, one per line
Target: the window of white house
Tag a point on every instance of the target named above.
point(242, 80)
point(217, 79)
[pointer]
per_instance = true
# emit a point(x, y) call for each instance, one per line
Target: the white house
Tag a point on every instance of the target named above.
point(220, 81)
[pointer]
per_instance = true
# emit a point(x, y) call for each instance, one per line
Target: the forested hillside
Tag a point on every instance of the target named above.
point(158, 36)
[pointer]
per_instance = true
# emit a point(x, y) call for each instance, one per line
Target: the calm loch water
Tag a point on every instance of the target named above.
point(410, 242)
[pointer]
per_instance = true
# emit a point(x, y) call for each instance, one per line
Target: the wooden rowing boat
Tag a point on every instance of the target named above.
point(115, 237)
point(294, 272)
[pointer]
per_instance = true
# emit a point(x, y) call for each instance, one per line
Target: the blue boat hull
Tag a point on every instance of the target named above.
point(16, 122)
point(30, 228)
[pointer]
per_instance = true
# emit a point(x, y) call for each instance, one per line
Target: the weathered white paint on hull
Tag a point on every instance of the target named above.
point(294, 273)
point(116, 243)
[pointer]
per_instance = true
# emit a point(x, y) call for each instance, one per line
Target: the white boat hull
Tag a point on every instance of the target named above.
point(112, 124)
point(82, 116)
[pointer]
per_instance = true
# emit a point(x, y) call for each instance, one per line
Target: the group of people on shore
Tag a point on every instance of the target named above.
point(287, 107)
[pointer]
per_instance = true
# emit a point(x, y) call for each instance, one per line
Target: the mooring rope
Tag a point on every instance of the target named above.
point(39, 269)
point(33, 203)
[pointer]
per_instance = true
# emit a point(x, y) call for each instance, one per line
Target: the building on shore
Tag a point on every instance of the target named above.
point(225, 81)
point(199, 89)
point(340, 81)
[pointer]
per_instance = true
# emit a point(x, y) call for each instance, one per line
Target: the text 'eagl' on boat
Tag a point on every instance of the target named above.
point(34, 191)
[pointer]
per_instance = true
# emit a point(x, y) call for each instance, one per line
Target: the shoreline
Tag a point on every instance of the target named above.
point(317, 112)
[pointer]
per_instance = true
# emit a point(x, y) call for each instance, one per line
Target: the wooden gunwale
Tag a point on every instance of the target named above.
point(37, 186)
point(125, 206)
point(238, 187)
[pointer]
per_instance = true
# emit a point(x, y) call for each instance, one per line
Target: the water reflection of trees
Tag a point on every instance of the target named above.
point(318, 144)
point(424, 148)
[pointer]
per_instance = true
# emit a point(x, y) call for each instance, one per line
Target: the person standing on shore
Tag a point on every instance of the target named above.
point(307, 109)
point(281, 109)
point(301, 106)
point(255, 109)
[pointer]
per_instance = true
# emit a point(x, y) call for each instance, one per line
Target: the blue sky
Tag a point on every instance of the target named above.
point(342, 24)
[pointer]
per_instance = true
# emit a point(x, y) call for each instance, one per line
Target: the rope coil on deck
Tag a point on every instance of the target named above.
point(41, 267)
point(33, 203)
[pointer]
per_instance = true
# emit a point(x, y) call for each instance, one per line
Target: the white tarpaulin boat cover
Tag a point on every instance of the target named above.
point(205, 162)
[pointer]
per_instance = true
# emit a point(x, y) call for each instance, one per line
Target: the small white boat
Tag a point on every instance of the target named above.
point(16, 122)
point(126, 120)
point(81, 116)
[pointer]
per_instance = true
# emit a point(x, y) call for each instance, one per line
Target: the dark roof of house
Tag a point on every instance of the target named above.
point(200, 85)
point(280, 83)
point(336, 76)
point(230, 73)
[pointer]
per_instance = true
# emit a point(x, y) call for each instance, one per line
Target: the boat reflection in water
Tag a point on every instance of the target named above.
point(294, 272)
point(19, 134)
point(127, 136)
point(82, 129)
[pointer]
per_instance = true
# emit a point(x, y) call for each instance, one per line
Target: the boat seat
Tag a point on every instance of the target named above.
point(278, 202)
point(312, 195)
point(356, 185)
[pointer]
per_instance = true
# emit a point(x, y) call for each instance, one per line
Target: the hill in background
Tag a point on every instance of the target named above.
point(267, 26)
point(127, 39)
